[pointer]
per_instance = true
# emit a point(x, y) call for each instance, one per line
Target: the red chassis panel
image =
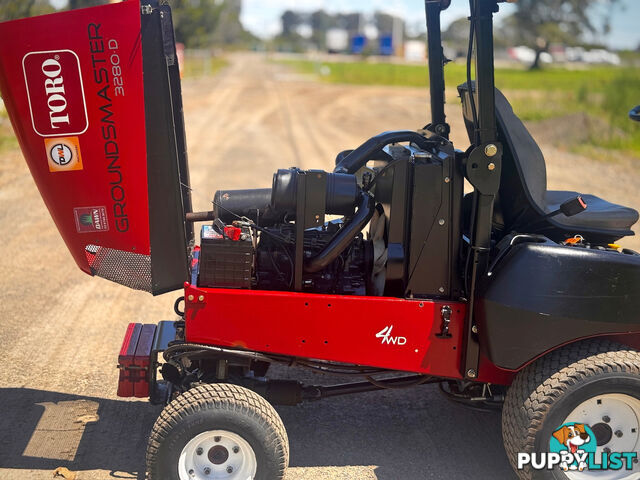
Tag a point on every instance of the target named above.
point(382, 332)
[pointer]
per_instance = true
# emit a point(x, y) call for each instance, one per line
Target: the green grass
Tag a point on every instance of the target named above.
point(8, 139)
point(203, 66)
point(364, 73)
point(604, 93)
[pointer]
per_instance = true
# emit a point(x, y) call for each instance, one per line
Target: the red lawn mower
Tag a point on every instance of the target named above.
point(381, 269)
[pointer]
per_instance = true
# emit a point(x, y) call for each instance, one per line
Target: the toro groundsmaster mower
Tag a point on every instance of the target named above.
point(382, 269)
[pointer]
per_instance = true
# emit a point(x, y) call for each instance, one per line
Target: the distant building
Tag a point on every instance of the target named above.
point(356, 33)
point(337, 40)
point(415, 51)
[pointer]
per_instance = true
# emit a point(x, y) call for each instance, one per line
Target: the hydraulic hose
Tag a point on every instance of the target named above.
point(344, 237)
point(358, 158)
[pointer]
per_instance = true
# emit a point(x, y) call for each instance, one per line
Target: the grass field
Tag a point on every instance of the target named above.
point(199, 66)
point(8, 140)
point(604, 95)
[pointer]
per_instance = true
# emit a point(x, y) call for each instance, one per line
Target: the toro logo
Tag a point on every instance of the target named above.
point(55, 93)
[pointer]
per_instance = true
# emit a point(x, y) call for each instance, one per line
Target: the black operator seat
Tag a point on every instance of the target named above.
point(524, 200)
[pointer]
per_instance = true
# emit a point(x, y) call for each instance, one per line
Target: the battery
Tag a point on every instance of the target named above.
point(224, 262)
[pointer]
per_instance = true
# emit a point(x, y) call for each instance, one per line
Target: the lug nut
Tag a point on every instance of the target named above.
point(618, 433)
point(606, 419)
point(236, 449)
point(229, 469)
point(191, 472)
point(216, 439)
point(199, 451)
point(207, 470)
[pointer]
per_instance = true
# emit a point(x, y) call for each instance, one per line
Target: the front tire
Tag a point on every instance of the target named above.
point(592, 382)
point(218, 431)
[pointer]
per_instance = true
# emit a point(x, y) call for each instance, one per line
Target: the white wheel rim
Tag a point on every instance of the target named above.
point(217, 455)
point(623, 413)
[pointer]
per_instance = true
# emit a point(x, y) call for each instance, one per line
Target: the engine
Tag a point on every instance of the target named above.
point(278, 239)
point(305, 233)
point(346, 275)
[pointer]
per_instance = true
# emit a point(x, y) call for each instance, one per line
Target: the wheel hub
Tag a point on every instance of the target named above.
point(217, 455)
point(615, 421)
point(603, 433)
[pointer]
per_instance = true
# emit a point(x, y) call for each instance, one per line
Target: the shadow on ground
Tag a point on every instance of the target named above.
point(44, 430)
point(410, 434)
point(407, 435)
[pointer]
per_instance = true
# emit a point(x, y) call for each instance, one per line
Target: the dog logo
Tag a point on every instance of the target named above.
point(574, 447)
point(576, 439)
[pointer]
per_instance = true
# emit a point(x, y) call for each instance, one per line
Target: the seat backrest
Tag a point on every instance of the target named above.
point(523, 184)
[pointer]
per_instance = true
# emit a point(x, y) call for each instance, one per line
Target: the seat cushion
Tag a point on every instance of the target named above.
point(599, 215)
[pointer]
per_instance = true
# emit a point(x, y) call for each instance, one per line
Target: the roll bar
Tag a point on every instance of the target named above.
point(483, 162)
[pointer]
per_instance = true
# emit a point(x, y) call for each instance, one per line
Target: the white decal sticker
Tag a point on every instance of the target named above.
point(385, 335)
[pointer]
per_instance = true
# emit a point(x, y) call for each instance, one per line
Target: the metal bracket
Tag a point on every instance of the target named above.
point(441, 129)
point(483, 168)
point(445, 314)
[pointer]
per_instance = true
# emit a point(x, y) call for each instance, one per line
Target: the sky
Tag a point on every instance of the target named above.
point(262, 17)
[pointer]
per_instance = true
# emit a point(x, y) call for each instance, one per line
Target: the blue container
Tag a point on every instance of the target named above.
point(386, 45)
point(358, 42)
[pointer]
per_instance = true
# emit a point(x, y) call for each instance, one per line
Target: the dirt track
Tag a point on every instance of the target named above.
point(61, 330)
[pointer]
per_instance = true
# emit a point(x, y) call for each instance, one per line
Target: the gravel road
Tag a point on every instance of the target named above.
point(61, 330)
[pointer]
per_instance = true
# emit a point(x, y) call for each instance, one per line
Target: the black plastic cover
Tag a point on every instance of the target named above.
point(254, 204)
point(542, 295)
point(168, 172)
point(340, 198)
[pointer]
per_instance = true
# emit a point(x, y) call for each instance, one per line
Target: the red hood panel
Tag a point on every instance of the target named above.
point(74, 89)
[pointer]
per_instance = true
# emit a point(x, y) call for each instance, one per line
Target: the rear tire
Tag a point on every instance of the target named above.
point(576, 383)
point(220, 431)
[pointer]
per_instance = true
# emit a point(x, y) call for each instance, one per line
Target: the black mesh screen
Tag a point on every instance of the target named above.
point(126, 268)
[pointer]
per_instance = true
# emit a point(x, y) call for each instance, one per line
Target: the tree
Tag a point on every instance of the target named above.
point(290, 23)
point(73, 4)
point(13, 9)
point(457, 34)
point(321, 22)
point(539, 23)
point(203, 23)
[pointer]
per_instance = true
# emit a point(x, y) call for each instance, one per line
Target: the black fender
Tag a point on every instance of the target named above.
point(541, 295)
